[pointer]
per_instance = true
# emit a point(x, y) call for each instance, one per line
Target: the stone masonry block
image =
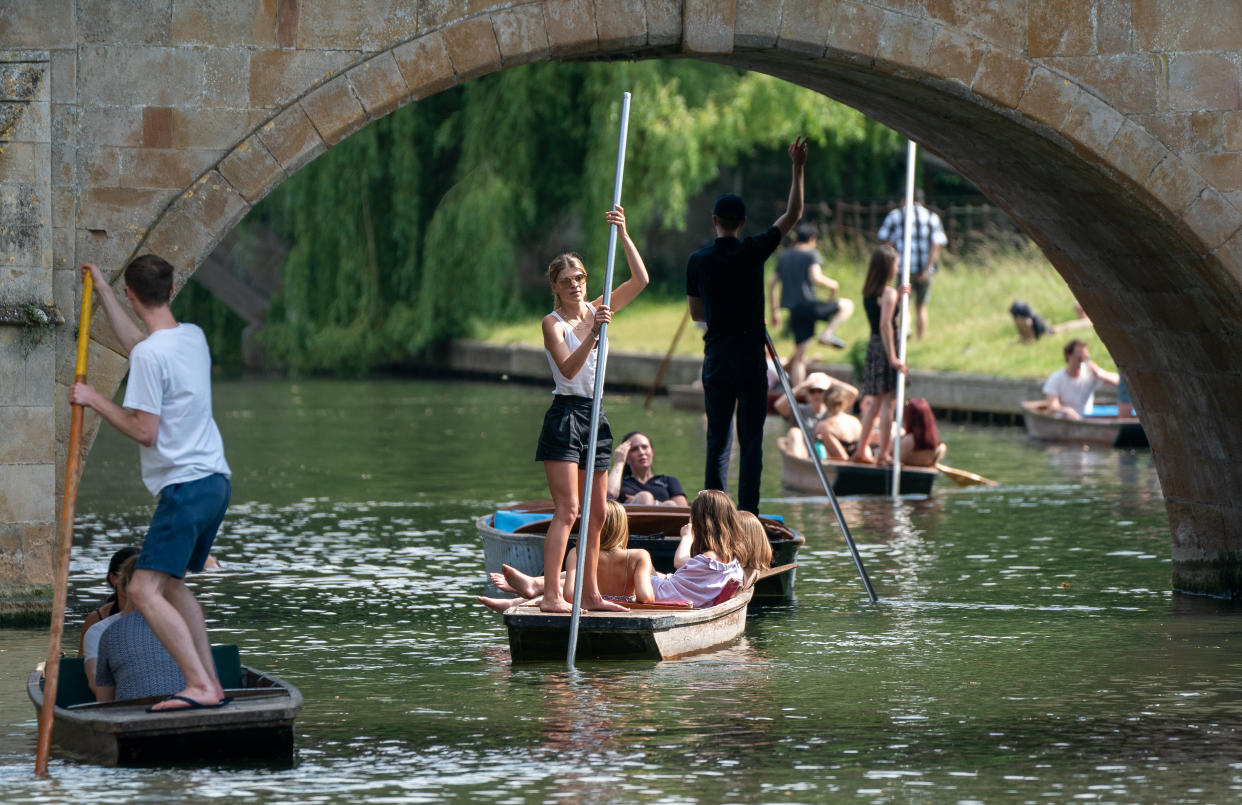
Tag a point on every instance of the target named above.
point(1000, 22)
point(114, 210)
point(226, 77)
point(905, 42)
point(570, 25)
point(757, 23)
point(1049, 98)
point(27, 82)
point(1135, 152)
point(1231, 123)
point(64, 76)
point(213, 129)
point(1130, 82)
point(291, 138)
point(955, 56)
point(664, 22)
point(1060, 28)
point(707, 26)
point(28, 434)
point(806, 26)
point(213, 203)
point(426, 65)
point(157, 124)
point(1210, 219)
point(1184, 132)
point(334, 110)
point(106, 251)
point(172, 168)
point(225, 22)
point(112, 125)
point(435, 14)
point(252, 169)
point(378, 83)
point(140, 76)
point(1002, 78)
point(1091, 124)
point(22, 122)
point(472, 48)
point(364, 25)
point(1114, 32)
point(27, 493)
point(1202, 81)
point(1215, 25)
point(620, 24)
point(1229, 257)
point(1174, 184)
point(279, 76)
point(182, 242)
point(856, 33)
point(521, 35)
point(49, 24)
point(135, 22)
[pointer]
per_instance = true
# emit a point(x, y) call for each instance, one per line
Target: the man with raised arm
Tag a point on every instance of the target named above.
point(724, 288)
point(1070, 392)
point(167, 410)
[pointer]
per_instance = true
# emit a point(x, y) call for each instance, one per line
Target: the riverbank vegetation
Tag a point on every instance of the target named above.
point(436, 222)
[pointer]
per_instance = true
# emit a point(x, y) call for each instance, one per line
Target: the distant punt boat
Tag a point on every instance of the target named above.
point(514, 536)
point(256, 725)
point(849, 478)
point(640, 634)
point(1101, 427)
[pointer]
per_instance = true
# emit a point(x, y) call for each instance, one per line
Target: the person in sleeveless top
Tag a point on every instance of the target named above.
point(879, 383)
point(111, 605)
point(570, 333)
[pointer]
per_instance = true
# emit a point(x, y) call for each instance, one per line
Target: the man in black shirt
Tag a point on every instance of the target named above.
point(724, 287)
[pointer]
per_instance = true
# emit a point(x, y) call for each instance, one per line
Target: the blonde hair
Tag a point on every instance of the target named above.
point(125, 572)
point(713, 518)
point(562, 262)
point(616, 528)
point(835, 398)
point(753, 551)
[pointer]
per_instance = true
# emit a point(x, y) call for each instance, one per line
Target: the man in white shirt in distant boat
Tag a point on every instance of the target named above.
point(1070, 392)
point(167, 410)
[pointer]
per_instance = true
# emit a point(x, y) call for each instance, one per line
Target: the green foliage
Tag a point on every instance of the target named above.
point(441, 216)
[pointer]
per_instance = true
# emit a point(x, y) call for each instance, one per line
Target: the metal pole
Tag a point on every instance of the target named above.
point(819, 468)
point(904, 327)
point(598, 395)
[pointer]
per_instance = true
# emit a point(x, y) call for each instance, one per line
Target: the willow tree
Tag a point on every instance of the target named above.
point(440, 216)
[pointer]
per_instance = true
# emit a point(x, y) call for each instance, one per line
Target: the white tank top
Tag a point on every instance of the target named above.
point(583, 383)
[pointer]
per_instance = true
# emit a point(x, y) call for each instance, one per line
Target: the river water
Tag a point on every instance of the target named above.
point(1026, 646)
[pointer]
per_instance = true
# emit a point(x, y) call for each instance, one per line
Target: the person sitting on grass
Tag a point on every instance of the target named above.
point(631, 479)
point(827, 415)
point(620, 567)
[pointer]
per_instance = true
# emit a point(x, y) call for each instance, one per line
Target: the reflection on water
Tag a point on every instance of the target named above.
point(1025, 647)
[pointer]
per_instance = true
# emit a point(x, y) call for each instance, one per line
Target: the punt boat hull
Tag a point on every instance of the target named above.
point(849, 478)
point(1102, 430)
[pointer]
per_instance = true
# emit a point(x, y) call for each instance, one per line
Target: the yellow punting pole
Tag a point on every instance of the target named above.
point(51, 670)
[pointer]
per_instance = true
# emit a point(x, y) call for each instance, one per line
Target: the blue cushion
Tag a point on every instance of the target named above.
point(1103, 410)
point(511, 520)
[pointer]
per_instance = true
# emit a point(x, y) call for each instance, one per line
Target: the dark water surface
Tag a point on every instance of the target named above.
point(1026, 646)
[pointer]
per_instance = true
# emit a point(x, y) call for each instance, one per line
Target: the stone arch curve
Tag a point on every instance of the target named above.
point(1133, 194)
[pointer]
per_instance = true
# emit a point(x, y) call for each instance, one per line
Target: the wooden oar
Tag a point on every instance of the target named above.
point(655, 384)
point(964, 478)
point(51, 670)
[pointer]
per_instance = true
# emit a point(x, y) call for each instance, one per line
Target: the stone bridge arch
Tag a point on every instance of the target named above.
point(1110, 130)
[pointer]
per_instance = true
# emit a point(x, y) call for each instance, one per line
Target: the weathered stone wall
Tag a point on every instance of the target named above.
point(1111, 130)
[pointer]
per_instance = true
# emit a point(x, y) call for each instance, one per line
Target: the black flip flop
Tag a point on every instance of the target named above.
point(191, 704)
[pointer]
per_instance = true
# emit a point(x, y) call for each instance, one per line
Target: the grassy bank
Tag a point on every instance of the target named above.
point(970, 328)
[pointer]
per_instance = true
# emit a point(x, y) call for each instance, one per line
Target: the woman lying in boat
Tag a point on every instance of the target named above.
point(705, 561)
point(826, 413)
point(632, 480)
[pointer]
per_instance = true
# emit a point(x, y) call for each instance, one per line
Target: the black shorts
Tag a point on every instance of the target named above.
point(803, 317)
point(566, 434)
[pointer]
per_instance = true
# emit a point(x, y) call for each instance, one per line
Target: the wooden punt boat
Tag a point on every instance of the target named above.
point(848, 478)
point(514, 536)
point(1103, 426)
point(640, 634)
point(256, 725)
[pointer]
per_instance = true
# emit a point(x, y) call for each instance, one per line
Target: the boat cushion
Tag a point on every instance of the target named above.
point(728, 591)
point(511, 520)
point(228, 665)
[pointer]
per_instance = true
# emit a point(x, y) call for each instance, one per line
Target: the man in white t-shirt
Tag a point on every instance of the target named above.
point(167, 410)
point(1070, 392)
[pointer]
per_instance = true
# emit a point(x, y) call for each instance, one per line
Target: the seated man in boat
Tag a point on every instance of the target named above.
point(132, 662)
point(1070, 392)
point(826, 413)
point(632, 480)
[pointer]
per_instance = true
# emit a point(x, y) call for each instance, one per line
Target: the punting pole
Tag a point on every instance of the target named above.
point(51, 669)
point(655, 384)
point(819, 468)
point(597, 397)
point(904, 328)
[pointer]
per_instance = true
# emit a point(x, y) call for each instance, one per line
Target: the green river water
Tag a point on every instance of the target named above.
point(1026, 646)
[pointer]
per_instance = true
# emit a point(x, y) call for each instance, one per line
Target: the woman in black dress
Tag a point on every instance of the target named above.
point(879, 383)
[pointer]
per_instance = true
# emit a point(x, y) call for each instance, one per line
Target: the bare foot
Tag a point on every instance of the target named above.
point(559, 605)
point(500, 583)
point(602, 605)
point(519, 582)
point(862, 458)
point(203, 697)
point(497, 604)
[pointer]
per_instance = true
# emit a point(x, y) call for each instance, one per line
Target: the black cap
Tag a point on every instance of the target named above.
point(730, 207)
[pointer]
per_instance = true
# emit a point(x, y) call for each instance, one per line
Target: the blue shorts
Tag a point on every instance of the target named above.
point(185, 525)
